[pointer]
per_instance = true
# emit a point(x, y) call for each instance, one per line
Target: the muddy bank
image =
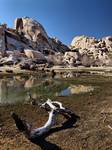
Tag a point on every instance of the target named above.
point(92, 131)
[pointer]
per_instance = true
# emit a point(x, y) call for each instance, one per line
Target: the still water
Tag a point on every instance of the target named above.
point(14, 90)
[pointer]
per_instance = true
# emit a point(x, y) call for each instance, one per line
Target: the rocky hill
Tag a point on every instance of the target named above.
point(28, 34)
point(28, 44)
point(93, 52)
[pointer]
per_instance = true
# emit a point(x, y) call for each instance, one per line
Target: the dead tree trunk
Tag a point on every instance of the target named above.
point(55, 108)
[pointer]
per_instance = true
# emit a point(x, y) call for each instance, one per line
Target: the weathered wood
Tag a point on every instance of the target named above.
point(38, 135)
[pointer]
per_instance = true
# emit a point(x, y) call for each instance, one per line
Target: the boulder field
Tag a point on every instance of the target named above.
point(29, 43)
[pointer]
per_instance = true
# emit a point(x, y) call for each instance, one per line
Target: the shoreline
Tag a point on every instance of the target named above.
point(10, 70)
point(81, 68)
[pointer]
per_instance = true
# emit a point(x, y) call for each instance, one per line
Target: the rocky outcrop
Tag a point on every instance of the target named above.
point(34, 32)
point(29, 44)
point(56, 59)
point(29, 34)
point(108, 42)
point(83, 42)
point(33, 54)
point(37, 37)
point(72, 58)
point(93, 52)
point(58, 46)
point(10, 60)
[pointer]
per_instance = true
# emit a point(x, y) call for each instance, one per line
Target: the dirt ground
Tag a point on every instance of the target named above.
point(92, 132)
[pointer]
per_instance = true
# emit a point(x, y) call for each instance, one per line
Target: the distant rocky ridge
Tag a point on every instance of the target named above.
point(27, 45)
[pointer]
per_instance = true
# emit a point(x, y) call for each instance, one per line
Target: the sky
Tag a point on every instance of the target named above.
point(63, 19)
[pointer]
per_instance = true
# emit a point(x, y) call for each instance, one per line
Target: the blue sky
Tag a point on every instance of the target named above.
point(62, 18)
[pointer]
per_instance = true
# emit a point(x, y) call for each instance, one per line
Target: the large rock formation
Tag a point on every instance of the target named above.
point(29, 34)
point(108, 42)
point(93, 52)
point(58, 46)
point(83, 42)
point(29, 44)
point(36, 35)
point(29, 40)
point(72, 58)
point(33, 31)
point(33, 54)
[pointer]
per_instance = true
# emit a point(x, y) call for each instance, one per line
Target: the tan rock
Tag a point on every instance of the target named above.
point(30, 82)
point(71, 54)
point(33, 31)
point(76, 89)
point(16, 53)
point(93, 51)
point(87, 61)
point(108, 41)
point(58, 46)
point(83, 42)
point(71, 58)
point(33, 28)
point(56, 59)
point(33, 54)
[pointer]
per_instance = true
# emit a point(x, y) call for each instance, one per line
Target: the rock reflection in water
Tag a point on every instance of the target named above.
point(13, 90)
point(30, 82)
point(3, 90)
point(75, 89)
point(9, 89)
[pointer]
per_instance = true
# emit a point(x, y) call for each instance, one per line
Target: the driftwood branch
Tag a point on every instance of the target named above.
point(55, 108)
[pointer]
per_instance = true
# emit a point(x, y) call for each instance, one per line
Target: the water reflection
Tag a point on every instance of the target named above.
point(9, 90)
point(75, 89)
point(30, 82)
point(3, 90)
point(14, 90)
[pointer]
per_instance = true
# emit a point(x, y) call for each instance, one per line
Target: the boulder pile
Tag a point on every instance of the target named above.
point(28, 44)
point(93, 52)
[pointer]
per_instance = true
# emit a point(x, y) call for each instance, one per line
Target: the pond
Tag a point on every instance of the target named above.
point(14, 90)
